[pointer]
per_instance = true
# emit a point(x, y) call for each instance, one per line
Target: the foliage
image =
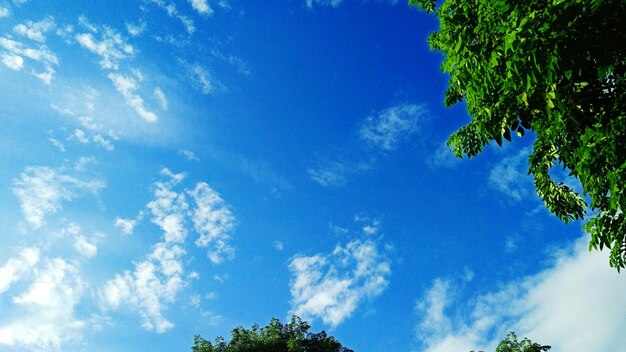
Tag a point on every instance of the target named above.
point(510, 344)
point(555, 67)
point(275, 337)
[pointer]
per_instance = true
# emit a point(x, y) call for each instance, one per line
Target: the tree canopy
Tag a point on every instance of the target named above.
point(510, 344)
point(275, 337)
point(556, 68)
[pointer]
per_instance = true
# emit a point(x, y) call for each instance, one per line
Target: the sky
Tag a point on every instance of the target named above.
point(174, 168)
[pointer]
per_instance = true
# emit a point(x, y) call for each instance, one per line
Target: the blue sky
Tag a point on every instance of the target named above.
point(181, 168)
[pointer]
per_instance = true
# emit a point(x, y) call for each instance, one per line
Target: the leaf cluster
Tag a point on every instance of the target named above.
point(275, 337)
point(556, 68)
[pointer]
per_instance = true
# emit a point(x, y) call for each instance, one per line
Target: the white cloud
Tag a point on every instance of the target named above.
point(160, 97)
point(169, 208)
point(45, 311)
point(331, 287)
point(41, 189)
point(155, 282)
point(125, 225)
point(202, 6)
point(81, 137)
point(35, 30)
point(14, 62)
point(4, 12)
point(46, 76)
point(103, 142)
point(127, 86)
point(213, 221)
point(137, 29)
point(548, 307)
point(389, 127)
point(370, 227)
point(41, 54)
point(111, 47)
point(84, 247)
point(510, 176)
point(17, 267)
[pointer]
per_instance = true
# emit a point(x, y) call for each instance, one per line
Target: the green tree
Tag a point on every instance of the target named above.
point(275, 337)
point(554, 67)
point(510, 344)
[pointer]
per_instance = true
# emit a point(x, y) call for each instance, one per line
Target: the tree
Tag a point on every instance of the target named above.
point(275, 337)
point(510, 344)
point(556, 68)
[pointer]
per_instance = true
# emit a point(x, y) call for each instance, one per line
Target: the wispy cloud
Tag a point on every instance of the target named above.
point(35, 30)
point(547, 307)
point(156, 280)
point(188, 154)
point(12, 54)
point(160, 97)
point(41, 190)
point(17, 267)
point(136, 29)
point(83, 137)
point(127, 86)
point(4, 12)
point(331, 287)
point(201, 78)
point(111, 46)
point(443, 157)
point(202, 6)
point(172, 11)
point(382, 133)
point(510, 176)
point(331, 3)
point(386, 129)
point(213, 221)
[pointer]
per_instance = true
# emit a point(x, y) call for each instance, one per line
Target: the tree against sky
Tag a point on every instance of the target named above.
point(510, 344)
point(275, 337)
point(555, 68)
